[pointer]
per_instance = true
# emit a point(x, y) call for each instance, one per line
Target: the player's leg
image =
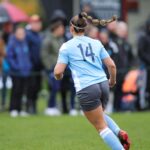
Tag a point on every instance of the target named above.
point(112, 124)
point(91, 105)
point(104, 87)
point(123, 136)
point(96, 118)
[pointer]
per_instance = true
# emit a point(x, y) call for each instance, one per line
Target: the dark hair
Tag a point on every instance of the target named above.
point(18, 26)
point(55, 25)
point(80, 22)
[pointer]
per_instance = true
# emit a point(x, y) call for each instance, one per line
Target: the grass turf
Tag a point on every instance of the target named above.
point(68, 133)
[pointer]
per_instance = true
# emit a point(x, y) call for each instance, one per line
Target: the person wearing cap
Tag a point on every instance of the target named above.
point(58, 18)
point(34, 41)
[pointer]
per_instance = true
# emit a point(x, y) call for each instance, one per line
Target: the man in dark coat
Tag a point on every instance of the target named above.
point(144, 55)
point(123, 61)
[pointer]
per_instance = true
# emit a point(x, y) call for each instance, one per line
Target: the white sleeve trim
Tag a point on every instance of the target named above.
point(63, 47)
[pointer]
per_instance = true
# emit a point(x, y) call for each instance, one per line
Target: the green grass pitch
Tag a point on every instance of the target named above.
point(68, 133)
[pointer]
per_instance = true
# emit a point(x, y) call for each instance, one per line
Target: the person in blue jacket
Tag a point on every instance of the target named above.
point(34, 40)
point(20, 68)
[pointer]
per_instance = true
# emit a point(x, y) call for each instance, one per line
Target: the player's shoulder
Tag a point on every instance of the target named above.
point(63, 47)
point(98, 42)
point(95, 41)
point(69, 44)
point(87, 38)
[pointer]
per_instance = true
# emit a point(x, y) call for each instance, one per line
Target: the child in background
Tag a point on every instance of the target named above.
point(20, 68)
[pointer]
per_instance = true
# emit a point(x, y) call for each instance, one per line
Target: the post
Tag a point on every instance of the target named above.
point(76, 7)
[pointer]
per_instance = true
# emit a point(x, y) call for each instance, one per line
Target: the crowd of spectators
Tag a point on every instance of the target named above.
point(28, 55)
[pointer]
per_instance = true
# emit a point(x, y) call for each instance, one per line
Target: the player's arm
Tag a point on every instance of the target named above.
point(61, 63)
point(110, 66)
point(111, 69)
point(59, 70)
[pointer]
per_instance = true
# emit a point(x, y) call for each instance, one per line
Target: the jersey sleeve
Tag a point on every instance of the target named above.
point(103, 53)
point(63, 55)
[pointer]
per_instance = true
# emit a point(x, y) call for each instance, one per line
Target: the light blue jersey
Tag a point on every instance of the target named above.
point(84, 57)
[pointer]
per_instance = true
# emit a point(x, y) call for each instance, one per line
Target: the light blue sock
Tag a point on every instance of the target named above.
point(111, 139)
point(111, 124)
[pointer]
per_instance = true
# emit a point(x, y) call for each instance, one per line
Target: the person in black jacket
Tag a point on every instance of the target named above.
point(144, 55)
point(112, 49)
point(112, 27)
point(124, 61)
point(110, 46)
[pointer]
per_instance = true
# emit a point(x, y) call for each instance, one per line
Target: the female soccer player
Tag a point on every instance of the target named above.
point(85, 57)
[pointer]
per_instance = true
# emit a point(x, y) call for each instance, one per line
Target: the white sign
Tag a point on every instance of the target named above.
point(105, 8)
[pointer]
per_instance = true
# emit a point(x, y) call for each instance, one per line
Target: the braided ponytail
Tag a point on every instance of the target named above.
point(81, 21)
point(97, 22)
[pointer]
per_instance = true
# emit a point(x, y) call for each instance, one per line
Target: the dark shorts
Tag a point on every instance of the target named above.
point(93, 96)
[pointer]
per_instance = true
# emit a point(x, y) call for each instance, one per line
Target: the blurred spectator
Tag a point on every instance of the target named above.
point(7, 31)
point(109, 45)
point(68, 85)
point(92, 32)
point(112, 49)
point(144, 55)
point(87, 7)
point(2, 55)
point(59, 15)
point(6, 81)
point(2, 51)
point(124, 60)
point(34, 41)
point(130, 90)
point(20, 67)
point(51, 44)
point(112, 27)
point(122, 30)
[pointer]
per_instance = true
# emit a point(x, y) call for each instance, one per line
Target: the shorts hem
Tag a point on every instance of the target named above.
point(91, 108)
